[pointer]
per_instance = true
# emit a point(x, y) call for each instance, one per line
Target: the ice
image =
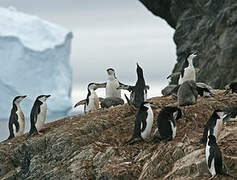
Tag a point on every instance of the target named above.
point(34, 60)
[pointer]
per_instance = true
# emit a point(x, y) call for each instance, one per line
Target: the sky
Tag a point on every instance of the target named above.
point(109, 33)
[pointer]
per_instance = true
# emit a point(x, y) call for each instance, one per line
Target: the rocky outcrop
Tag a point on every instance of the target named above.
point(208, 26)
point(91, 146)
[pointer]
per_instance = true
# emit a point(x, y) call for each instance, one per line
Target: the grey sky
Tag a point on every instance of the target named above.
point(109, 33)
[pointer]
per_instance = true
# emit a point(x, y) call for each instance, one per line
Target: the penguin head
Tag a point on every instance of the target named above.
point(43, 98)
point(177, 113)
point(18, 99)
point(211, 140)
point(93, 86)
point(191, 57)
point(139, 71)
point(219, 113)
point(145, 105)
point(110, 71)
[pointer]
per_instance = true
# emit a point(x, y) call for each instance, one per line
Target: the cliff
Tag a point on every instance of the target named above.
point(208, 26)
point(90, 146)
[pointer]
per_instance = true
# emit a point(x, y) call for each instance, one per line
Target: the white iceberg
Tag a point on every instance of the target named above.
point(34, 60)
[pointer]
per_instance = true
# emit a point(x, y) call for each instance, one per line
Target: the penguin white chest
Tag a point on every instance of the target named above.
point(93, 102)
point(111, 88)
point(189, 74)
point(173, 128)
point(41, 117)
point(21, 121)
point(149, 120)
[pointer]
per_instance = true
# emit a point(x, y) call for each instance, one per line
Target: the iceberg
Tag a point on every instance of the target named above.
point(34, 60)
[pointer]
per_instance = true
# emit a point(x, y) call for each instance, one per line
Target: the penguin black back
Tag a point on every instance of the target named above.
point(16, 122)
point(12, 119)
point(166, 116)
point(143, 122)
point(35, 111)
point(210, 125)
point(33, 114)
point(138, 91)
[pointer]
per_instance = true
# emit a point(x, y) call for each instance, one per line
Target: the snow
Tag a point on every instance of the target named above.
point(34, 60)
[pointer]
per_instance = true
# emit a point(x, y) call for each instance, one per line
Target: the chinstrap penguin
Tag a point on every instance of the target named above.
point(166, 122)
point(38, 114)
point(213, 126)
point(92, 101)
point(112, 85)
point(143, 122)
point(16, 122)
point(187, 93)
point(188, 72)
point(139, 91)
point(214, 157)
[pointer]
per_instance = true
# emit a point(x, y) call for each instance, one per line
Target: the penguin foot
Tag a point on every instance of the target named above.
point(40, 133)
point(213, 177)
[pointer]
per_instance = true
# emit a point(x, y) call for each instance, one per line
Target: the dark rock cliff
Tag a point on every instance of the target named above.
point(208, 26)
point(91, 146)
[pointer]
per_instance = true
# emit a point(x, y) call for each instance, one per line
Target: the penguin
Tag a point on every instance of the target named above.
point(143, 122)
point(38, 114)
point(92, 101)
point(166, 122)
point(203, 91)
point(16, 123)
point(188, 72)
point(214, 157)
point(111, 101)
point(139, 91)
point(231, 87)
point(214, 125)
point(187, 93)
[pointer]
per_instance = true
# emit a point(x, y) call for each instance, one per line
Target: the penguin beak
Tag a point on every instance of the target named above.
point(47, 96)
point(23, 97)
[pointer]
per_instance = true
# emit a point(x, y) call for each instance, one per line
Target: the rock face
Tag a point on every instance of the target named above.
point(34, 60)
point(208, 26)
point(91, 146)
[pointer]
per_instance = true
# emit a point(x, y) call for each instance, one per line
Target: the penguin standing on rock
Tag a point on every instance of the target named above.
point(187, 93)
point(214, 157)
point(213, 126)
point(16, 121)
point(92, 101)
point(143, 122)
point(188, 72)
point(38, 114)
point(139, 91)
point(167, 122)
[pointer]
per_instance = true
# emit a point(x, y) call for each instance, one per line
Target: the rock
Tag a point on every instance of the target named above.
point(208, 26)
point(39, 52)
point(91, 146)
point(111, 101)
point(168, 90)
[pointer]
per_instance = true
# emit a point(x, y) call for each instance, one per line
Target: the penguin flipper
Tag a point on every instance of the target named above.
point(82, 102)
point(128, 100)
point(173, 75)
point(211, 157)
